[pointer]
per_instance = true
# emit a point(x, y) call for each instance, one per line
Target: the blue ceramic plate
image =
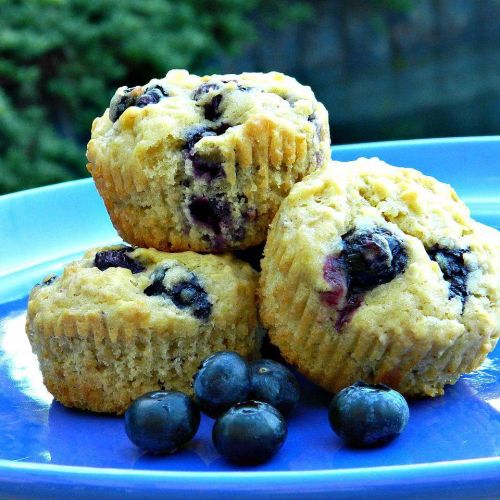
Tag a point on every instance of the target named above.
point(449, 449)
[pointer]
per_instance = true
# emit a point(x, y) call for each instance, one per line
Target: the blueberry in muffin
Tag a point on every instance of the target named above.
point(125, 321)
point(203, 163)
point(378, 273)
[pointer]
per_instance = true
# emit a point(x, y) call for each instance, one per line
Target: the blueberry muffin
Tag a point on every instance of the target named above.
point(202, 163)
point(378, 273)
point(123, 321)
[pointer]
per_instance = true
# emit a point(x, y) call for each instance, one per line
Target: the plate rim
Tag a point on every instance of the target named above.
point(449, 476)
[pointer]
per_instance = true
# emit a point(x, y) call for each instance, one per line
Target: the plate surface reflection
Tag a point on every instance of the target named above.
point(463, 424)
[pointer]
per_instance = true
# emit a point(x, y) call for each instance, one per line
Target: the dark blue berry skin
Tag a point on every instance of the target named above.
point(193, 135)
point(369, 258)
point(452, 265)
point(117, 258)
point(162, 421)
point(210, 212)
point(203, 168)
point(186, 294)
point(192, 295)
point(275, 384)
point(368, 415)
point(249, 433)
point(118, 105)
point(151, 96)
point(205, 88)
point(212, 108)
point(222, 380)
point(373, 257)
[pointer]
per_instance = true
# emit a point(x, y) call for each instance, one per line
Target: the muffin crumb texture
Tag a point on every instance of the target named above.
point(378, 273)
point(104, 335)
point(203, 163)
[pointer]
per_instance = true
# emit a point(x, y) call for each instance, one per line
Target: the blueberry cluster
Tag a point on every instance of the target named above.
point(185, 294)
point(452, 265)
point(370, 257)
point(225, 379)
point(248, 401)
point(212, 211)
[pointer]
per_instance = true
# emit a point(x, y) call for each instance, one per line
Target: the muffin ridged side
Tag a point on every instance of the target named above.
point(175, 180)
point(410, 333)
point(101, 341)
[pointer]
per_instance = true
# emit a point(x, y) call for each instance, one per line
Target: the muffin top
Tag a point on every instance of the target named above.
point(390, 234)
point(217, 101)
point(128, 289)
point(202, 163)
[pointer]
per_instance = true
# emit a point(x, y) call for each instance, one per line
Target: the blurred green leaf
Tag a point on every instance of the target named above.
point(61, 60)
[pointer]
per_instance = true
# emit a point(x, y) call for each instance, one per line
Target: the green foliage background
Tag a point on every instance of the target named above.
point(61, 60)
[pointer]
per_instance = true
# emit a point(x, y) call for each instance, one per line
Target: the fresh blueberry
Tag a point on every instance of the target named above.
point(185, 294)
point(162, 421)
point(222, 380)
point(374, 256)
point(117, 258)
point(275, 384)
point(452, 265)
point(368, 415)
point(249, 433)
